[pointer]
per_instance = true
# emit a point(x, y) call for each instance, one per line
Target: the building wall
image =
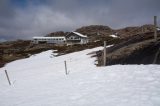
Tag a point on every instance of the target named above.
point(70, 39)
point(50, 41)
point(73, 36)
point(75, 39)
point(84, 41)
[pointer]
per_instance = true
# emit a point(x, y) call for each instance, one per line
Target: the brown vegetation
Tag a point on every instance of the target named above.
point(13, 50)
point(138, 49)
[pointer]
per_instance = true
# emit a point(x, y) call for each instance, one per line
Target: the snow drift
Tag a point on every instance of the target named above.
point(41, 81)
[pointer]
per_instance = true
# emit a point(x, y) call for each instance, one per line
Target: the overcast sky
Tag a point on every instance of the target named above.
point(23, 19)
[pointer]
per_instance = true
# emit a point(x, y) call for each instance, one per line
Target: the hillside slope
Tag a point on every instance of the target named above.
point(41, 81)
point(138, 49)
point(14, 50)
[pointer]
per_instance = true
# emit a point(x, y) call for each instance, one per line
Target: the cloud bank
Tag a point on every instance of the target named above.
point(23, 19)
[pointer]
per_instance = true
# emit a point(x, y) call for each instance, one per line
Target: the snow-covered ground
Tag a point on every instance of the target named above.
point(41, 81)
point(114, 36)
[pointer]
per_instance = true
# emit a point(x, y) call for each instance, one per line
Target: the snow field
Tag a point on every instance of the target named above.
point(41, 81)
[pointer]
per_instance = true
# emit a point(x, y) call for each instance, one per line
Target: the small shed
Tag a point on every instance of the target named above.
point(76, 38)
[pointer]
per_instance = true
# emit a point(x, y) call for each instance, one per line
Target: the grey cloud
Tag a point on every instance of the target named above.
point(129, 12)
point(39, 18)
point(5, 9)
point(6, 13)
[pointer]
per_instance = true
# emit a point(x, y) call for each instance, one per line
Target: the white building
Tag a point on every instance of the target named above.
point(49, 40)
point(69, 39)
point(76, 38)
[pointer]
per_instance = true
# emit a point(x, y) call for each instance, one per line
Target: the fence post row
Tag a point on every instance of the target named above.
point(65, 63)
point(7, 77)
point(104, 54)
point(155, 28)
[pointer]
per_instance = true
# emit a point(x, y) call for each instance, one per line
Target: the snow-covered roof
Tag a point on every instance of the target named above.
point(48, 37)
point(158, 28)
point(79, 34)
point(114, 36)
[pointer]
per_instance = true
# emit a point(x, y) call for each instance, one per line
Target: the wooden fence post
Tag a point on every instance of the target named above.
point(65, 63)
point(155, 28)
point(104, 54)
point(7, 77)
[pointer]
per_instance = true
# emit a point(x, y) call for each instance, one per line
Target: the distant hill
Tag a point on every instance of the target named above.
point(130, 31)
point(58, 33)
point(13, 50)
point(137, 49)
point(95, 32)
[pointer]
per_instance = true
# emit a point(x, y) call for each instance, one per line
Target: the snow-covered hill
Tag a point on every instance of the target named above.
point(41, 81)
